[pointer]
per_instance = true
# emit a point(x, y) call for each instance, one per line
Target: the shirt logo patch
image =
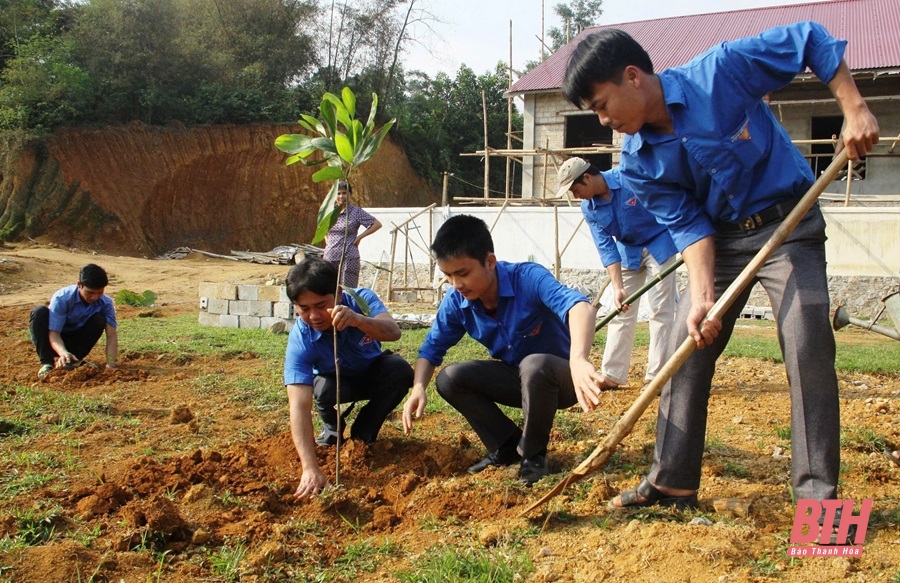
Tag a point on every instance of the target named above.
point(537, 329)
point(632, 202)
point(365, 340)
point(744, 133)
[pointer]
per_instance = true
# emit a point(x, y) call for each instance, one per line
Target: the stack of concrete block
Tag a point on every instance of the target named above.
point(229, 305)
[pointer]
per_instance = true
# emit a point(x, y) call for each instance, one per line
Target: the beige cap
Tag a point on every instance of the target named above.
point(571, 170)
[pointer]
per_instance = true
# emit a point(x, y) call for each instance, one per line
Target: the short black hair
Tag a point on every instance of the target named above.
point(602, 56)
point(312, 274)
point(463, 236)
point(93, 276)
point(346, 184)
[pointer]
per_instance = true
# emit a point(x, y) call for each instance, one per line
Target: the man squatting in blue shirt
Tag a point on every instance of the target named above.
point(367, 372)
point(65, 331)
point(633, 247)
point(539, 331)
point(704, 153)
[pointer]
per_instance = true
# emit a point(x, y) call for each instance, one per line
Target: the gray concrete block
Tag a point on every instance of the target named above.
point(228, 321)
point(207, 319)
point(217, 306)
point(248, 292)
point(239, 308)
point(222, 291)
point(261, 309)
point(283, 310)
point(249, 322)
point(270, 293)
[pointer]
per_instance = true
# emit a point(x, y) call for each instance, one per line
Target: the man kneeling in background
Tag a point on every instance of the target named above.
point(65, 331)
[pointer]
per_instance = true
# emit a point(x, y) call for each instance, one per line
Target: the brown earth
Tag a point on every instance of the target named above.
point(145, 190)
point(165, 469)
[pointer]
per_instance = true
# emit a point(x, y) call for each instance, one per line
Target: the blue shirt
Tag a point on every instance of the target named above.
point(531, 317)
point(311, 352)
point(729, 157)
point(68, 311)
point(622, 228)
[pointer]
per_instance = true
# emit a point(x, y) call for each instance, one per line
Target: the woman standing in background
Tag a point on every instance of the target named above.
point(357, 218)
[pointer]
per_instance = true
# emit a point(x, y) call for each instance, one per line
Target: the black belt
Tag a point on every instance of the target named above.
point(760, 219)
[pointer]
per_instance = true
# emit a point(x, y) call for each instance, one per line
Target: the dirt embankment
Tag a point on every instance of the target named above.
point(141, 190)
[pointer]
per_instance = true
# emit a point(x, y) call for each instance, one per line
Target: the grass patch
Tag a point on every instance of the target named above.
point(446, 565)
point(183, 336)
point(364, 557)
point(70, 411)
point(33, 527)
point(736, 470)
point(783, 432)
point(862, 438)
point(226, 562)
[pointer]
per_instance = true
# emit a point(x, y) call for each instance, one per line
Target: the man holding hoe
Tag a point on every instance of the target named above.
point(705, 154)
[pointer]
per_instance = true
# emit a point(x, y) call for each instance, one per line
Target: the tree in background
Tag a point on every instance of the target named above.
point(366, 38)
point(440, 118)
point(193, 60)
point(41, 86)
point(208, 62)
point(575, 16)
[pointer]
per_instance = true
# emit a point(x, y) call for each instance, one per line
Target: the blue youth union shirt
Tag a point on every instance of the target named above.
point(69, 312)
point(622, 228)
point(729, 157)
point(531, 317)
point(310, 352)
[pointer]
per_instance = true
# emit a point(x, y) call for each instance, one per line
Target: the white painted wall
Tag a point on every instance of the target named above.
point(861, 241)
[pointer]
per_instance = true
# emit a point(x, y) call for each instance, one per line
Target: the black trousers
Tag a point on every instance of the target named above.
point(80, 342)
point(384, 384)
point(540, 386)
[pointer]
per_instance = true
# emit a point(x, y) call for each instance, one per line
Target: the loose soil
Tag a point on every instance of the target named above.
point(190, 475)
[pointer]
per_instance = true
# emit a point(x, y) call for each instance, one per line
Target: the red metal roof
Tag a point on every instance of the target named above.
point(872, 28)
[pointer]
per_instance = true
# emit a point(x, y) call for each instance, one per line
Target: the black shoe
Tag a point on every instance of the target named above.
point(501, 457)
point(533, 469)
point(328, 436)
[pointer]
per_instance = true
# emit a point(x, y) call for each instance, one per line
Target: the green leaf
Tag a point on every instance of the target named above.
point(371, 122)
point(324, 226)
point(326, 108)
point(372, 144)
point(344, 147)
point(356, 134)
point(327, 207)
point(349, 100)
point(363, 304)
point(324, 144)
point(340, 111)
point(292, 143)
point(328, 173)
point(312, 124)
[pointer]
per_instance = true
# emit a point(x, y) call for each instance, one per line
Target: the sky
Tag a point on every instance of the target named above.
point(476, 32)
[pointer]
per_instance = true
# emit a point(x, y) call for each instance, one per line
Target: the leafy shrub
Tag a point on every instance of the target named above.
point(130, 298)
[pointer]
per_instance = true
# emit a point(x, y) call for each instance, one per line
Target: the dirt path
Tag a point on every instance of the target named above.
point(161, 469)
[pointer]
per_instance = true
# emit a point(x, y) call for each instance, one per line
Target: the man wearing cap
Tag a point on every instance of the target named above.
point(633, 246)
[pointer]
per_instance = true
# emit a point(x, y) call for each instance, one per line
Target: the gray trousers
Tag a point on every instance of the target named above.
point(539, 386)
point(794, 278)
